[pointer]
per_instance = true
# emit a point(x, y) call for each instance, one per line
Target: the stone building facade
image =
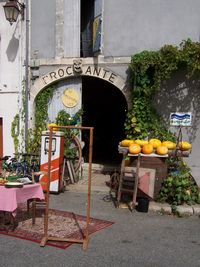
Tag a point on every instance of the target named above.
point(87, 46)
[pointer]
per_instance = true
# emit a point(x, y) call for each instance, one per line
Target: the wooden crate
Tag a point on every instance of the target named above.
point(160, 167)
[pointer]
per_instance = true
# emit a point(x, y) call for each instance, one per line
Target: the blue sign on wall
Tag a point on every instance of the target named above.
point(181, 119)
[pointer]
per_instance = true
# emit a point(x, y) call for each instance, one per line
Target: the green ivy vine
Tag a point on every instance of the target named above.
point(41, 119)
point(64, 118)
point(179, 187)
point(148, 70)
point(15, 132)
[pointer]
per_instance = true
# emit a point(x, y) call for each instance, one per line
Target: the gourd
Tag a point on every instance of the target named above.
point(184, 146)
point(161, 150)
point(147, 149)
point(141, 142)
point(134, 149)
point(169, 144)
point(126, 142)
point(155, 142)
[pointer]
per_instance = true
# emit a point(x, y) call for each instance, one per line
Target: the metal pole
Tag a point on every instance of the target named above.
point(26, 75)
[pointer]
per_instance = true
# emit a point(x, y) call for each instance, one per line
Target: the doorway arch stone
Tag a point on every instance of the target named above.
point(67, 71)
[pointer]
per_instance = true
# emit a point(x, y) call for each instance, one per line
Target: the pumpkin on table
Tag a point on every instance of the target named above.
point(169, 144)
point(184, 146)
point(141, 142)
point(161, 150)
point(155, 142)
point(126, 142)
point(134, 149)
point(147, 149)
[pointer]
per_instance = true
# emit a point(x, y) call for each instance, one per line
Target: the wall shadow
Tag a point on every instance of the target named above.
point(180, 94)
point(12, 48)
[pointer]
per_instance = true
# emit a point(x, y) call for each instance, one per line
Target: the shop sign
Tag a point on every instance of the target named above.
point(181, 119)
point(70, 98)
point(89, 70)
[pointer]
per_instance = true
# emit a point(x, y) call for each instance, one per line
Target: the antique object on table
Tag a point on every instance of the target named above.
point(14, 185)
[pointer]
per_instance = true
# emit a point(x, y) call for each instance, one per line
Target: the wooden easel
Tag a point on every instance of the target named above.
point(85, 240)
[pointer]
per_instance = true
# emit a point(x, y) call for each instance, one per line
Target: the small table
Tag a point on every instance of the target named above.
point(11, 197)
point(125, 153)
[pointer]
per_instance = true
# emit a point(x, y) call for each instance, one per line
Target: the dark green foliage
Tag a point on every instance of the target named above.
point(64, 119)
point(179, 187)
point(148, 70)
point(41, 120)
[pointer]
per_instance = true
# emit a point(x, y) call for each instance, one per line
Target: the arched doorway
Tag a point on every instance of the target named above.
point(105, 98)
point(104, 108)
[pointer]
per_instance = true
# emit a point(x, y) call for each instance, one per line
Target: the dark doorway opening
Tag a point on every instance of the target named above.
point(104, 108)
point(87, 18)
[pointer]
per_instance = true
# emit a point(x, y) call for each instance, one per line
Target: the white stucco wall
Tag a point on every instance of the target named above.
point(11, 76)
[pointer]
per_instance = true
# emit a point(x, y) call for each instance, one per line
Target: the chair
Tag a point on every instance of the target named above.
point(36, 203)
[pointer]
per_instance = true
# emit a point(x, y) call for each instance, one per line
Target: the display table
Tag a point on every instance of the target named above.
point(135, 175)
point(11, 197)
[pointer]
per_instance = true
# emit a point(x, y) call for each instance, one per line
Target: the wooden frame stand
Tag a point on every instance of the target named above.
point(85, 240)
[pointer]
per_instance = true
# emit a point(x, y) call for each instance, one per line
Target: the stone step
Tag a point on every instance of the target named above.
point(99, 168)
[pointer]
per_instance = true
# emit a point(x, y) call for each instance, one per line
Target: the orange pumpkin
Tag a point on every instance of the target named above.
point(155, 142)
point(141, 142)
point(184, 146)
point(147, 149)
point(161, 150)
point(126, 142)
point(134, 149)
point(169, 144)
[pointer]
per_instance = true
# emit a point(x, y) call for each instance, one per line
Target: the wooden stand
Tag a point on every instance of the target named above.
point(135, 176)
point(85, 240)
point(133, 204)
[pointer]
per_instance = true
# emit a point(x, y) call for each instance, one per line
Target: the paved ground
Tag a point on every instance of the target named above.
point(135, 239)
point(98, 183)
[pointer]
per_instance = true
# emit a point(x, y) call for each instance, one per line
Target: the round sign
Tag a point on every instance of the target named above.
point(70, 98)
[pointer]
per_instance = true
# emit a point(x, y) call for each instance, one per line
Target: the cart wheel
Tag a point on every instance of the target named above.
point(75, 153)
point(114, 182)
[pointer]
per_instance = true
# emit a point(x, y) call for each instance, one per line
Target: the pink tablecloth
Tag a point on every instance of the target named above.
point(11, 197)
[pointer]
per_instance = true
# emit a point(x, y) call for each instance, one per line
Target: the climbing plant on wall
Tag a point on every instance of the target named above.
point(15, 132)
point(41, 119)
point(17, 128)
point(63, 118)
point(148, 70)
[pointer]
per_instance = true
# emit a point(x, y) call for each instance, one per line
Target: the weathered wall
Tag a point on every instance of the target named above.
point(130, 26)
point(182, 95)
point(11, 75)
point(55, 29)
